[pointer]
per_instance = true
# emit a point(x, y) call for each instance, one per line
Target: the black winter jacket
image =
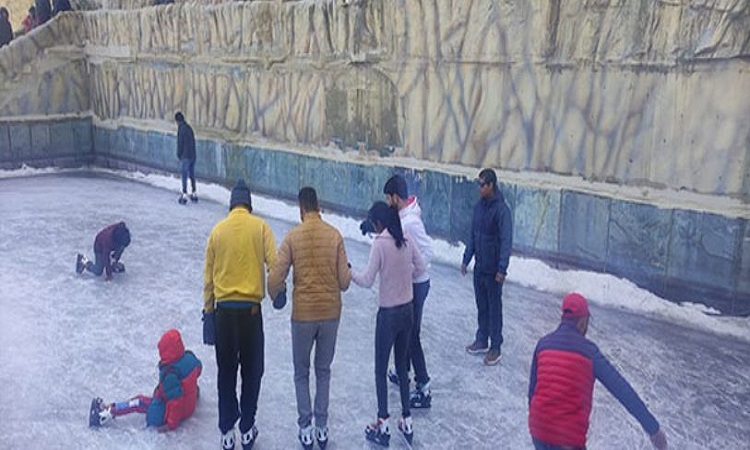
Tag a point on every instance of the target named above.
point(491, 238)
point(185, 141)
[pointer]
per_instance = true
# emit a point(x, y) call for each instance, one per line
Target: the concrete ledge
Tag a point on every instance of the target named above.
point(39, 143)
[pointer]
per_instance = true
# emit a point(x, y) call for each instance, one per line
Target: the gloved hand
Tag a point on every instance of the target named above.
point(209, 328)
point(366, 227)
point(659, 440)
point(280, 300)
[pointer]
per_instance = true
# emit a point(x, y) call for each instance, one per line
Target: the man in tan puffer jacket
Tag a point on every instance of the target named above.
point(321, 272)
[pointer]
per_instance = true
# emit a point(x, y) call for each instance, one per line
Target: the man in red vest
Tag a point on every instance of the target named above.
point(563, 371)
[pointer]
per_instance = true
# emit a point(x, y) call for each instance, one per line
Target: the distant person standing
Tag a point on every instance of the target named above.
point(397, 196)
point(108, 247)
point(239, 249)
point(43, 11)
point(563, 371)
point(30, 21)
point(321, 272)
point(186, 155)
point(6, 29)
point(61, 6)
point(490, 245)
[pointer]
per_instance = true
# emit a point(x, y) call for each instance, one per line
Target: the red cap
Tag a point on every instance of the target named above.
point(575, 305)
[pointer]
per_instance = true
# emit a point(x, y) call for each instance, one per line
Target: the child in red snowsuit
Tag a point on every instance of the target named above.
point(175, 396)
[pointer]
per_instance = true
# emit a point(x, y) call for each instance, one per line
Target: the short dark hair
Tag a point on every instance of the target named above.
point(489, 176)
point(308, 199)
point(178, 117)
point(396, 185)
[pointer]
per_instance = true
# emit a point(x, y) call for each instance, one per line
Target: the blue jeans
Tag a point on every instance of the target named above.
point(188, 171)
point(489, 298)
point(392, 330)
point(98, 265)
point(416, 354)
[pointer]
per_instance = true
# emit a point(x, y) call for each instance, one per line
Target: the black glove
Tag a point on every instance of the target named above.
point(280, 300)
point(366, 227)
point(209, 328)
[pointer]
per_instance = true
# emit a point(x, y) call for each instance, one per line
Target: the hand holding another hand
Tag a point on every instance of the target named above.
point(280, 300)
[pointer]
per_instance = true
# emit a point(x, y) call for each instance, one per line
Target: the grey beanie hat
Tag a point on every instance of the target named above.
point(240, 195)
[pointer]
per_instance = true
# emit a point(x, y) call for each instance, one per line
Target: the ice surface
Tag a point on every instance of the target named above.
point(65, 338)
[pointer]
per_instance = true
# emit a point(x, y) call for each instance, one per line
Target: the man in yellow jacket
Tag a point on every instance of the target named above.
point(234, 282)
point(321, 272)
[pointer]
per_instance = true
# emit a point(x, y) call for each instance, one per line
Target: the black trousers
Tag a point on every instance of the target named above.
point(239, 342)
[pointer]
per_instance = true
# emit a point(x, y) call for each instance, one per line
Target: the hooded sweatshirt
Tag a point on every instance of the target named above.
point(411, 222)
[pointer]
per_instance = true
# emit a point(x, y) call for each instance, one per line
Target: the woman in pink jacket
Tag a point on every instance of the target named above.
point(396, 259)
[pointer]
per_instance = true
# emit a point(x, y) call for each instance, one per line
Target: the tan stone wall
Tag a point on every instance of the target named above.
point(635, 92)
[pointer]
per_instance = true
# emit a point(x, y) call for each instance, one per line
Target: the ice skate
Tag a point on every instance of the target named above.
point(80, 263)
point(321, 435)
point(306, 437)
point(229, 439)
point(118, 267)
point(183, 199)
point(379, 432)
point(194, 197)
point(99, 413)
point(421, 396)
point(248, 438)
point(406, 429)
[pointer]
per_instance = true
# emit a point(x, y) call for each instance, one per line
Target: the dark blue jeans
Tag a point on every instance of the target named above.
point(239, 341)
point(392, 330)
point(489, 297)
point(416, 354)
point(188, 171)
point(97, 267)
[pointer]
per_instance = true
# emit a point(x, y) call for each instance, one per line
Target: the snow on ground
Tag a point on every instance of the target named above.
point(65, 338)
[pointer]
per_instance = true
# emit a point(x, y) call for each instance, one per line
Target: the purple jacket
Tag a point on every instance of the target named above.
point(105, 244)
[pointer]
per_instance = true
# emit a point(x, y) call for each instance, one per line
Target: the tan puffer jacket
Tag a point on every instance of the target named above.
point(316, 250)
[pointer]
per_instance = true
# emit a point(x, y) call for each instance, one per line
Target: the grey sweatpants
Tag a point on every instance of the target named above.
point(304, 335)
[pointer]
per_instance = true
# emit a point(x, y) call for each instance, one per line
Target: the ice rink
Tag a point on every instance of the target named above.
point(65, 338)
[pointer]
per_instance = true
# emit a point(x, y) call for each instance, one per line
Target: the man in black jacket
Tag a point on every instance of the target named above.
point(186, 155)
point(43, 11)
point(490, 245)
point(60, 6)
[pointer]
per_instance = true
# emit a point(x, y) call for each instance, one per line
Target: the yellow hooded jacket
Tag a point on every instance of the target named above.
point(236, 250)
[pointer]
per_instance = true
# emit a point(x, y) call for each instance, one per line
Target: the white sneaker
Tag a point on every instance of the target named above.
point(306, 437)
point(229, 439)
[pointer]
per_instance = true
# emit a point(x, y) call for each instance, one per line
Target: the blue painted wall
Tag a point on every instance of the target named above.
point(678, 254)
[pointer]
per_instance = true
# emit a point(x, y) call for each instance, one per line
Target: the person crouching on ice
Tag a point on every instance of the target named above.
point(108, 247)
point(175, 396)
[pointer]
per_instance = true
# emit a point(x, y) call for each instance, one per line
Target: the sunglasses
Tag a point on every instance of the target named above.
point(482, 183)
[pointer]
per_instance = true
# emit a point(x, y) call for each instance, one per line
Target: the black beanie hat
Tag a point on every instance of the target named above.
point(396, 185)
point(240, 195)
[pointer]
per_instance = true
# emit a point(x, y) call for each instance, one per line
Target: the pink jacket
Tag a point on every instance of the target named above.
point(395, 266)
